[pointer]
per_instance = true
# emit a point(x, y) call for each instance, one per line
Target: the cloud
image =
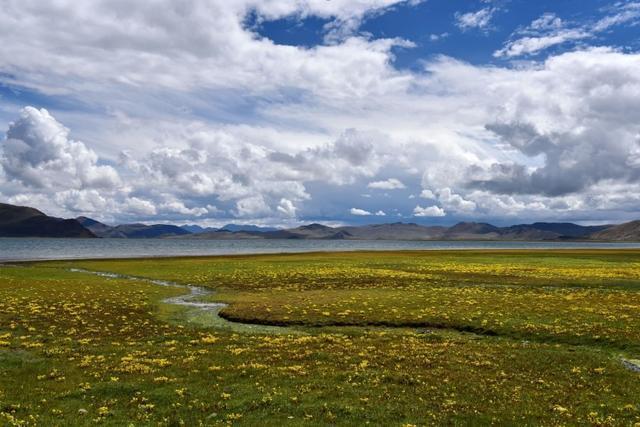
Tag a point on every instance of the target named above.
point(287, 208)
point(211, 167)
point(532, 45)
point(38, 153)
point(252, 207)
point(549, 30)
point(429, 211)
point(140, 207)
point(178, 207)
point(455, 202)
point(475, 20)
point(164, 45)
point(508, 150)
point(547, 21)
point(438, 37)
point(427, 194)
point(340, 9)
point(622, 13)
point(594, 140)
point(190, 113)
point(81, 201)
point(389, 184)
point(359, 212)
point(351, 155)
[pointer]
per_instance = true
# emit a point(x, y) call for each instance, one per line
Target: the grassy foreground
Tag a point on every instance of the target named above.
point(385, 338)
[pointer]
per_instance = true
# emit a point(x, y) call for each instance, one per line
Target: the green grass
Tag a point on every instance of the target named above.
point(386, 338)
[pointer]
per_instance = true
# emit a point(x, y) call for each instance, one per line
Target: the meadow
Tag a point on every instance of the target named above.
point(378, 338)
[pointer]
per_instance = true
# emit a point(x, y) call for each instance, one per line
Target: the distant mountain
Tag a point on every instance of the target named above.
point(246, 227)
point(192, 228)
point(96, 227)
point(143, 231)
point(629, 231)
point(526, 232)
point(195, 229)
point(568, 229)
point(224, 235)
point(532, 232)
point(132, 231)
point(311, 231)
point(472, 231)
point(539, 231)
point(22, 221)
point(394, 231)
point(233, 228)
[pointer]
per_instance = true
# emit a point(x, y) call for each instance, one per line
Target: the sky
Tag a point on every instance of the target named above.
point(283, 112)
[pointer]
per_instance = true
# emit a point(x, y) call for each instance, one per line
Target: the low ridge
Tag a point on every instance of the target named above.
point(23, 221)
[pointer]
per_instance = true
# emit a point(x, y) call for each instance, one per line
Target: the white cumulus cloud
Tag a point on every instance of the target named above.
point(287, 208)
point(359, 212)
point(37, 152)
point(429, 211)
point(389, 184)
point(189, 113)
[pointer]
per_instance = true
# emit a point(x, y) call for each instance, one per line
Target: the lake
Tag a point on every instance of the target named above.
point(14, 249)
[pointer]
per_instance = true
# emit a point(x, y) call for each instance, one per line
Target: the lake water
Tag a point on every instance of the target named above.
point(12, 249)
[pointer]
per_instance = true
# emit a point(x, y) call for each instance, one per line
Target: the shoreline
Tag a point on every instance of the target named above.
point(12, 261)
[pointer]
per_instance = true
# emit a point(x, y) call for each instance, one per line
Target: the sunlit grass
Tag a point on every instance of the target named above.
point(386, 338)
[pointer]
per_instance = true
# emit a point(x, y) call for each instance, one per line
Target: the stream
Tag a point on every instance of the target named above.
point(204, 313)
point(211, 310)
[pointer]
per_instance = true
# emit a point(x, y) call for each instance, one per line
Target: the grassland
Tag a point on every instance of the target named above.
point(405, 338)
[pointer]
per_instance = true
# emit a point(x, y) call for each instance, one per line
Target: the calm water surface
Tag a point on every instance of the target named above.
point(12, 249)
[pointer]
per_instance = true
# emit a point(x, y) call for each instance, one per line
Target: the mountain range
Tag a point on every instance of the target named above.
point(131, 231)
point(404, 231)
point(21, 221)
point(144, 231)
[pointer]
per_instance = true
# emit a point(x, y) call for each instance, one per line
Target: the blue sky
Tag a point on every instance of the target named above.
point(280, 112)
point(433, 27)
